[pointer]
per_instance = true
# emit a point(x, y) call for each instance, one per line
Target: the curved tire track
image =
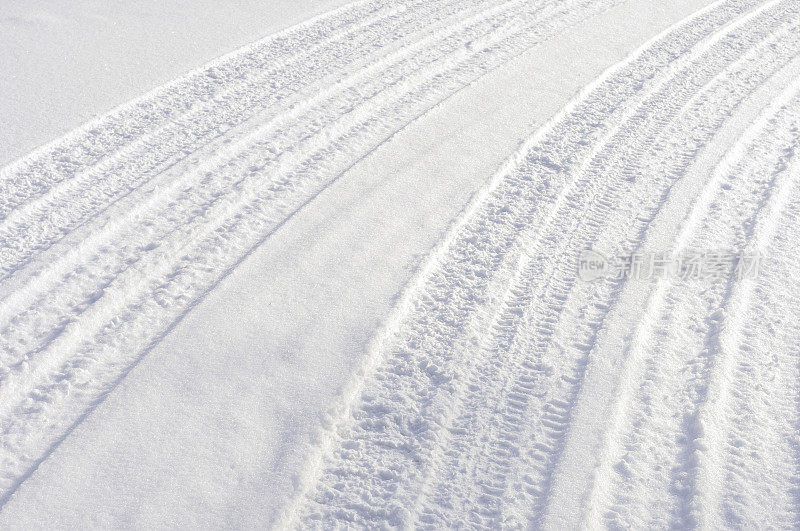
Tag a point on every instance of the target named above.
point(142, 249)
point(465, 420)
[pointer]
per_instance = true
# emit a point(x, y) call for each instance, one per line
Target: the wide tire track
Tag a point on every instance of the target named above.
point(146, 247)
point(464, 421)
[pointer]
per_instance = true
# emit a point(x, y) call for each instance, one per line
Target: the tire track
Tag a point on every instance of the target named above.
point(760, 451)
point(730, 363)
point(419, 393)
point(665, 366)
point(197, 181)
point(282, 180)
point(87, 194)
point(614, 454)
point(104, 137)
point(546, 282)
point(78, 325)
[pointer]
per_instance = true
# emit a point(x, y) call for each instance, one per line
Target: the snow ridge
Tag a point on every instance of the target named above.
point(489, 393)
point(504, 390)
point(109, 235)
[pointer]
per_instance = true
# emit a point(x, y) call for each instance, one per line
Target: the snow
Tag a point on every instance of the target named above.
point(64, 63)
point(350, 299)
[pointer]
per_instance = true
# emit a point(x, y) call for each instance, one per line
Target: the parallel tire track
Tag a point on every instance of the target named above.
point(464, 421)
point(73, 322)
point(503, 391)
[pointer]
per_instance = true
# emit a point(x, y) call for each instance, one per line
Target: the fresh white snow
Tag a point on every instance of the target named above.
point(330, 279)
point(64, 63)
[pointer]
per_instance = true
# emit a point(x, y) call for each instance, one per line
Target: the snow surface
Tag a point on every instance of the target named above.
point(323, 304)
point(64, 63)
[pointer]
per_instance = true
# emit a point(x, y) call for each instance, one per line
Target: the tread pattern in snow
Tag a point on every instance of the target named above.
point(483, 394)
point(110, 234)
